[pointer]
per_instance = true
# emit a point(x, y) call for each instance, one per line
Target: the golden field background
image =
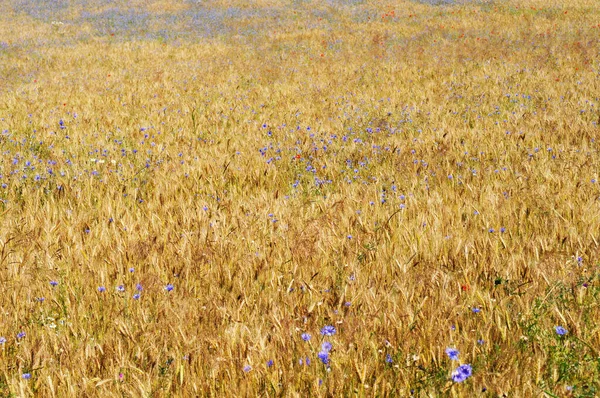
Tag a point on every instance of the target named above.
point(382, 168)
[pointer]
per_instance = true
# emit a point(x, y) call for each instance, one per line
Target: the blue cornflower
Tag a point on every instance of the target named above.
point(328, 330)
point(53, 283)
point(560, 330)
point(307, 361)
point(2, 340)
point(452, 353)
point(139, 287)
point(20, 335)
point(324, 357)
point(26, 376)
point(481, 342)
point(388, 358)
point(169, 287)
point(326, 346)
point(306, 336)
point(131, 269)
point(101, 289)
point(462, 373)
point(136, 296)
point(269, 363)
point(476, 310)
point(247, 368)
point(121, 288)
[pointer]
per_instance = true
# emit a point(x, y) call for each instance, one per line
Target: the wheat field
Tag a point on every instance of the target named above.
point(303, 198)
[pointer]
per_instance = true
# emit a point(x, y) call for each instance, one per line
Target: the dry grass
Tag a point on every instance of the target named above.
point(384, 169)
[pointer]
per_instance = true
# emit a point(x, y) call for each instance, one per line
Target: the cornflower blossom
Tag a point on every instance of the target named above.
point(561, 331)
point(452, 353)
point(328, 330)
point(462, 373)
